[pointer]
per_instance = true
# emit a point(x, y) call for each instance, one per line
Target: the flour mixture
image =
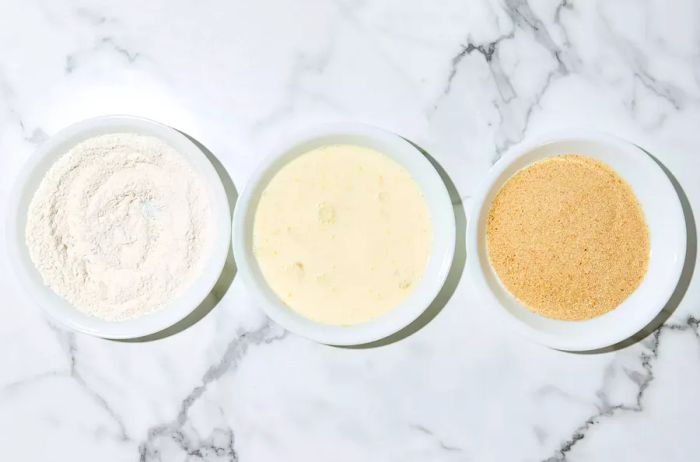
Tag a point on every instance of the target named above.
point(119, 225)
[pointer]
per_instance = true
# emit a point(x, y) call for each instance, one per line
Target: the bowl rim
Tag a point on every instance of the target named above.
point(442, 250)
point(677, 229)
point(56, 306)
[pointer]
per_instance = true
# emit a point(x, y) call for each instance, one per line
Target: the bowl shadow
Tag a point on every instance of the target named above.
point(686, 273)
point(453, 276)
point(227, 273)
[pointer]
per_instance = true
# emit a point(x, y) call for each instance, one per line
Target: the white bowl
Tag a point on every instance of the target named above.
point(662, 211)
point(442, 216)
point(56, 306)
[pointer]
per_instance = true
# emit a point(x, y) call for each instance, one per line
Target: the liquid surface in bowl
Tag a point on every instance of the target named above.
point(567, 237)
point(342, 234)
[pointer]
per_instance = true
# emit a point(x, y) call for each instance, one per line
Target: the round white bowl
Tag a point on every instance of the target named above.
point(56, 306)
point(440, 260)
point(662, 211)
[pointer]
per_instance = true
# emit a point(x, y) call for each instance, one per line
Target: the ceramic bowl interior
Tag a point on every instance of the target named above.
point(438, 265)
point(57, 307)
point(664, 216)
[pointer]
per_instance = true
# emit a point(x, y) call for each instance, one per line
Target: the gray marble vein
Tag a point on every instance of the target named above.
point(464, 80)
point(107, 43)
point(606, 409)
point(221, 441)
point(67, 340)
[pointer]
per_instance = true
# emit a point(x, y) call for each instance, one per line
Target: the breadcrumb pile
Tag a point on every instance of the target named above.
point(567, 238)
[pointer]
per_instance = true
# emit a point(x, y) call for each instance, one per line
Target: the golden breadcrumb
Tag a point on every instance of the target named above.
point(567, 237)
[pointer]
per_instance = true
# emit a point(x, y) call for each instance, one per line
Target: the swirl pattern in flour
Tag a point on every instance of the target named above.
point(119, 225)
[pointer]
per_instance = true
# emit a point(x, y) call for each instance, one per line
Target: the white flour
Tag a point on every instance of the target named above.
point(119, 225)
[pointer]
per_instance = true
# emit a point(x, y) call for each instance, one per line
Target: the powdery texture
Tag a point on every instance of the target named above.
point(119, 225)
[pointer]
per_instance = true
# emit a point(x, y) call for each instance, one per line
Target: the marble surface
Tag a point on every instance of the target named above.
point(463, 79)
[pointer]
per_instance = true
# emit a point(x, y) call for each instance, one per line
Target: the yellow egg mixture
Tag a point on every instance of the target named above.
point(342, 234)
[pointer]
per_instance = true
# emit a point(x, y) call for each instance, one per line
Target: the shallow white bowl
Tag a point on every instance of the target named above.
point(662, 211)
point(57, 307)
point(442, 251)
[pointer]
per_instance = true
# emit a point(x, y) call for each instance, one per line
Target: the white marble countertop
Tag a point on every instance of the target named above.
point(464, 80)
